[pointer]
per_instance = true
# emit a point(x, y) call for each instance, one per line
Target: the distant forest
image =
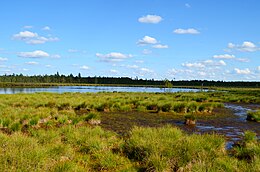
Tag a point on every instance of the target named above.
point(57, 78)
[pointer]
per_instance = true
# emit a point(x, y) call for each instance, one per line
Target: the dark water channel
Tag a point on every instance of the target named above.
point(229, 121)
point(232, 125)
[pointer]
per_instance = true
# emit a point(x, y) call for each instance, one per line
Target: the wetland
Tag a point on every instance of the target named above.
point(128, 131)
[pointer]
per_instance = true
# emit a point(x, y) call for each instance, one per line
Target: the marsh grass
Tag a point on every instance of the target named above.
point(50, 132)
point(71, 148)
point(253, 116)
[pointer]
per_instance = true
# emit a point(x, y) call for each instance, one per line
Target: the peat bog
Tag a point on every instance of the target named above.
point(129, 131)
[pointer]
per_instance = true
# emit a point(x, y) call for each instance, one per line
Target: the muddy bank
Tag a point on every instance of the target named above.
point(229, 121)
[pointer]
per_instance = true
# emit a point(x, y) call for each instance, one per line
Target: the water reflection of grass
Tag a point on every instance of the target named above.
point(51, 132)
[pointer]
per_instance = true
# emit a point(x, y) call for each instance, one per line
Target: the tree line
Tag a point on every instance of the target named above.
point(78, 79)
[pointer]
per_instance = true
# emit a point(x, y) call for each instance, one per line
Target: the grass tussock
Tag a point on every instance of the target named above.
point(149, 149)
point(53, 132)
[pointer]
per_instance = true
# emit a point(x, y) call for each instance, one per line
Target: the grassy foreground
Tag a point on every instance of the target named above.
point(71, 148)
point(51, 132)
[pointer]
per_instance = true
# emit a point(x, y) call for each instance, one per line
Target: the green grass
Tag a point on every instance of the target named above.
point(50, 132)
point(253, 116)
point(71, 148)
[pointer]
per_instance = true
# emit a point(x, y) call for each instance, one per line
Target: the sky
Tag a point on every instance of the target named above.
point(150, 39)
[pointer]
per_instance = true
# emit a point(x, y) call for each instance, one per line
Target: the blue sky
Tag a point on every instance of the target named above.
point(173, 39)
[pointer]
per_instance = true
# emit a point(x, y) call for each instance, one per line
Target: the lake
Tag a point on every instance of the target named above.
point(93, 89)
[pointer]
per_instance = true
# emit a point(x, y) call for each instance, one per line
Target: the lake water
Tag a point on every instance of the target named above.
point(92, 89)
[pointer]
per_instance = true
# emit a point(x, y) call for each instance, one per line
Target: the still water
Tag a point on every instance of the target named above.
point(92, 89)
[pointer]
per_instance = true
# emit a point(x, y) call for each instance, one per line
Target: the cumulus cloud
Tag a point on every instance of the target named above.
point(34, 54)
point(224, 56)
point(113, 57)
point(242, 71)
point(246, 46)
point(147, 40)
point(186, 31)
point(32, 63)
point(193, 65)
point(33, 38)
point(154, 19)
point(3, 59)
point(25, 35)
point(42, 40)
point(84, 67)
point(214, 63)
point(204, 64)
point(258, 68)
point(174, 72)
point(159, 46)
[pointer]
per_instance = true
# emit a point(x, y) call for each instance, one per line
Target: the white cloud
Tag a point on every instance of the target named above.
point(25, 35)
point(84, 67)
point(187, 5)
point(46, 28)
point(28, 27)
point(231, 45)
point(258, 68)
point(154, 19)
point(186, 31)
point(132, 66)
point(193, 65)
point(147, 40)
point(214, 63)
point(159, 46)
point(242, 71)
point(146, 70)
point(202, 73)
point(33, 38)
point(245, 60)
point(32, 63)
point(146, 52)
point(3, 59)
point(41, 40)
point(172, 72)
point(246, 46)
point(221, 63)
point(56, 56)
point(204, 64)
point(34, 54)
point(113, 57)
point(48, 66)
point(113, 71)
point(224, 56)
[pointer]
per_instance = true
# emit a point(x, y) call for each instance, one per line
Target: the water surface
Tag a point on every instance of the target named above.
point(93, 89)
